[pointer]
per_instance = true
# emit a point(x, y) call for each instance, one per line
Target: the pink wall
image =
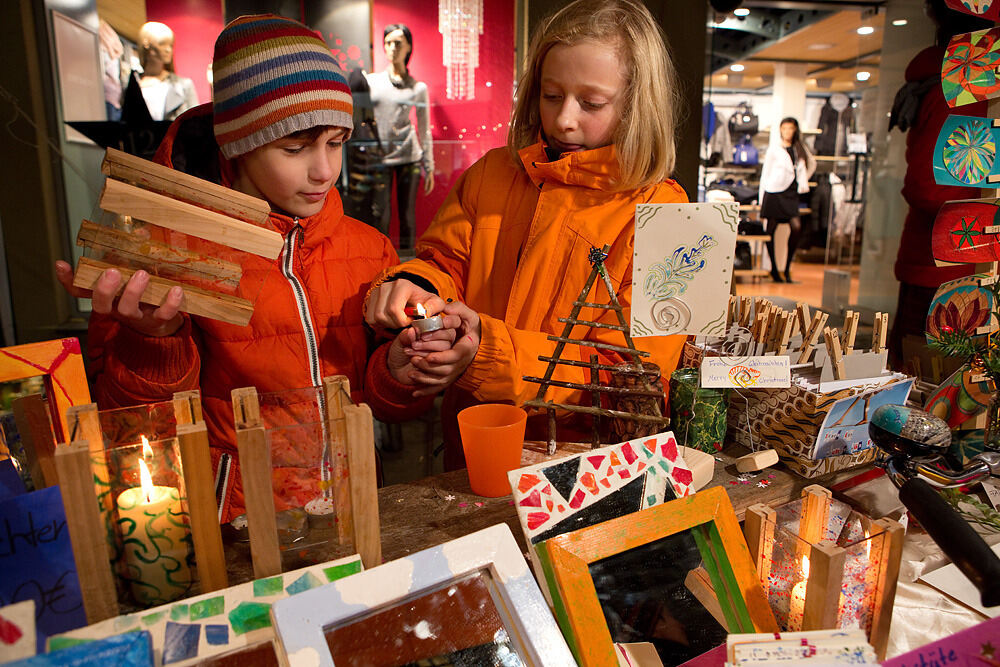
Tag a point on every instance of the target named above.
point(196, 24)
point(462, 130)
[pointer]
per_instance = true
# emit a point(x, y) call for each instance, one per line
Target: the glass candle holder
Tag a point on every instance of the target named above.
point(697, 415)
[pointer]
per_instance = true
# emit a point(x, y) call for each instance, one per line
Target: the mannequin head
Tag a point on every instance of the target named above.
point(156, 48)
point(398, 43)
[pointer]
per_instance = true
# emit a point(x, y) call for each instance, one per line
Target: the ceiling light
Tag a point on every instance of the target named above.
point(741, 11)
point(866, 30)
point(819, 46)
point(863, 75)
point(900, 22)
point(736, 67)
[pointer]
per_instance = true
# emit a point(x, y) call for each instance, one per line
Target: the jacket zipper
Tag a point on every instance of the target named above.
point(312, 349)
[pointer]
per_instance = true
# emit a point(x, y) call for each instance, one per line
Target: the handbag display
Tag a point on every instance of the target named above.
point(745, 153)
point(743, 121)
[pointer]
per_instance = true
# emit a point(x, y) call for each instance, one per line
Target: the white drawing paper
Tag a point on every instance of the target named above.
point(682, 268)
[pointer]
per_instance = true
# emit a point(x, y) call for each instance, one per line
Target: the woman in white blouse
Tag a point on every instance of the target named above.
point(788, 164)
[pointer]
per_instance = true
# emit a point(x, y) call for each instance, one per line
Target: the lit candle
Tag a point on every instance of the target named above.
point(154, 535)
point(797, 606)
point(424, 324)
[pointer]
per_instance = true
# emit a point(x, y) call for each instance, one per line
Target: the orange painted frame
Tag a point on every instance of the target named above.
point(60, 361)
point(566, 560)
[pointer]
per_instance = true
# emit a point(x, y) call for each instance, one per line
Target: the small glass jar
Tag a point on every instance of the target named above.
point(698, 415)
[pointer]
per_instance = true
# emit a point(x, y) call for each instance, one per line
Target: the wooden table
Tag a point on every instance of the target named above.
point(433, 510)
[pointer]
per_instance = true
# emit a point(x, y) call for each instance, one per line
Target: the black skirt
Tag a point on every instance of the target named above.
point(781, 206)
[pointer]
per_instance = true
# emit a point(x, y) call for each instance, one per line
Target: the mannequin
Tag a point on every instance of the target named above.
point(408, 150)
point(167, 95)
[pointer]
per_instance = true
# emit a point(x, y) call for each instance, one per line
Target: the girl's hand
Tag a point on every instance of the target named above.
point(385, 304)
point(437, 370)
point(402, 350)
point(163, 320)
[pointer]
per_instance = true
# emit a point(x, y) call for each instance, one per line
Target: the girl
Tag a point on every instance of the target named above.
point(784, 176)
point(591, 136)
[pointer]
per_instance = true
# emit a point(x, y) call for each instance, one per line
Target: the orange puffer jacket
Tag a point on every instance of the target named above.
point(307, 324)
point(513, 245)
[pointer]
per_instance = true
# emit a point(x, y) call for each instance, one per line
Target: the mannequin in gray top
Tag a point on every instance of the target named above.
point(408, 150)
point(167, 95)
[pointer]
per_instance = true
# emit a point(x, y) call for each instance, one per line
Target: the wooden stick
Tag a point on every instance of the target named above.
point(815, 513)
point(180, 216)
point(595, 401)
point(888, 560)
point(588, 410)
point(116, 241)
point(178, 185)
point(819, 320)
point(699, 584)
point(338, 397)
point(83, 423)
point(603, 346)
point(86, 531)
point(196, 301)
point(826, 578)
point(832, 340)
point(203, 511)
point(758, 527)
point(35, 428)
point(850, 331)
point(187, 406)
point(364, 492)
point(802, 308)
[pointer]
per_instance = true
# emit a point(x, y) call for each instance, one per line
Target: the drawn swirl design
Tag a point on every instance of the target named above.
point(670, 315)
point(969, 152)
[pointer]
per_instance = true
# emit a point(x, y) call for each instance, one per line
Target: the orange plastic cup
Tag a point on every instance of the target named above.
point(492, 437)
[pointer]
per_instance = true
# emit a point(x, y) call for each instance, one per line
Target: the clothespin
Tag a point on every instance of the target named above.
point(731, 311)
point(832, 339)
point(818, 322)
point(850, 331)
point(745, 303)
point(788, 322)
point(802, 310)
point(879, 332)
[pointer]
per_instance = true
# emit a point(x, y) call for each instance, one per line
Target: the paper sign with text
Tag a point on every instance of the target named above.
point(746, 372)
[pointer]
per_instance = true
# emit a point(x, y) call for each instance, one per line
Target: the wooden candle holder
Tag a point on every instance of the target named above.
point(184, 225)
point(350, 438)
point(84, 476)
point(838, 571)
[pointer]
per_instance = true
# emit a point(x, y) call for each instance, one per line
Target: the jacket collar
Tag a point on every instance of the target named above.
point(596, 169)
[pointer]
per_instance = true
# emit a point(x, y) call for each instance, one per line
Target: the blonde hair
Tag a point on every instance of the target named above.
point(644, 138)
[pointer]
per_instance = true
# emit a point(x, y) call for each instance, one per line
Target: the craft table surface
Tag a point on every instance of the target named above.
point(433, 510)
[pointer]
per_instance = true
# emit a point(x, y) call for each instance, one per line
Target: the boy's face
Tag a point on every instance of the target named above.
point(294, 173)
point(582, 88)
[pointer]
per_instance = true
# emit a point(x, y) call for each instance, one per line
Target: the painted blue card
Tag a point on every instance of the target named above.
point(132, 648)
point(10, 482)
point(36, 560)
point(966, 152)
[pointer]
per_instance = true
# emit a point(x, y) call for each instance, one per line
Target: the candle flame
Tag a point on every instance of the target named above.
point(805, 567)
point(421, 311)
point(147, 481)
point(147, 451)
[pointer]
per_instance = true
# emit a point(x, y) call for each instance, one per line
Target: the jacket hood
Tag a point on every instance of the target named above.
point(189, 146)
point(596, 168)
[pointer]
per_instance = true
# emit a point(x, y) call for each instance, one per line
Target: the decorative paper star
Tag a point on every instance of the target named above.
point(987, 650)
point(967, 232)
point(449, 497)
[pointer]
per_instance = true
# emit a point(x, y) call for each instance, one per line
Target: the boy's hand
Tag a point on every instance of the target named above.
point(402, 350)
point(385, 304)
point(149, 320)
point(437, 370)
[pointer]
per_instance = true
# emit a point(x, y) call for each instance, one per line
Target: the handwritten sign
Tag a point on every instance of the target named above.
point(36, 560)
point(746, 372)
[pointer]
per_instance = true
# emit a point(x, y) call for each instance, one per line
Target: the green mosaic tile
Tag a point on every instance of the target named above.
point(59, 643)
point(341, 571)
point(651, 499)
point(179, 612)
point(153, 619)
point(303, 583)
point(665, 465)
point(269, 586)
point(250, 616)
point(208, 608)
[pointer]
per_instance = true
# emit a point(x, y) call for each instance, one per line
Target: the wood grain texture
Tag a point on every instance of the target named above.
point(86, 531)
point(185, 187)
point(826, 579)
point(255, 470)
point(203, 511)
point(125, 199)
point(31, 414)
point(758, 528)
point(196, 301)
point(187, 406)
point(364, 484)
point(889, 558)
point(338, 396)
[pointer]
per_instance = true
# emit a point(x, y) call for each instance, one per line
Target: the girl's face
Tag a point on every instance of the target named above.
point(396, 47)
point(787, 132)
point(582, 91)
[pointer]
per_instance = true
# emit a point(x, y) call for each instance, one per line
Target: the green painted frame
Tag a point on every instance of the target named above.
point(708, 514)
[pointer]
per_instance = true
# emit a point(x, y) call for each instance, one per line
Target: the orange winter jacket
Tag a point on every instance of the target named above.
point(513, 245)
point(307, 324)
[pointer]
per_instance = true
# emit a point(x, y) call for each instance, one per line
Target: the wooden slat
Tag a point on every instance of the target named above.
point(196, 301)
point(255, 470)
point(86, 532)
point(758, 528)
point(179, 216)
point(184, 187)
point(83, 423)
point(187, 406)
point(203, 511)
point(815, 513)
point(31, 414)
point(826, 578)
point(338, 396)
point(888, 576)
point(93, 235)
point(699, 584)
point(246, 407)
point(364, 492)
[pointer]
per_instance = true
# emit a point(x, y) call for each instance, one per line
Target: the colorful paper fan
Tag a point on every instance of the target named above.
point(968, 72)
point(969, 152)
point(984, 8)
point(959, 305)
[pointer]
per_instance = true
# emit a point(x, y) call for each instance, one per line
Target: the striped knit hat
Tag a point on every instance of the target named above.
point(272, 77)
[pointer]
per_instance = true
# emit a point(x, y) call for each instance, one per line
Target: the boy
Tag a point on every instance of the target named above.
point(275, 129)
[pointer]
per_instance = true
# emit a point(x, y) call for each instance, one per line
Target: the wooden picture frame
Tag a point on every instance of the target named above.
point(708, 514)
point(301, 622)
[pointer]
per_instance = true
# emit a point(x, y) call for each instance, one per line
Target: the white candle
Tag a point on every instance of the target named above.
point(153, 531)
point(797, 605)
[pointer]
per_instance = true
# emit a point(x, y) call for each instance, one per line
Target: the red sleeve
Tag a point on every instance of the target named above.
point(389, 399)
